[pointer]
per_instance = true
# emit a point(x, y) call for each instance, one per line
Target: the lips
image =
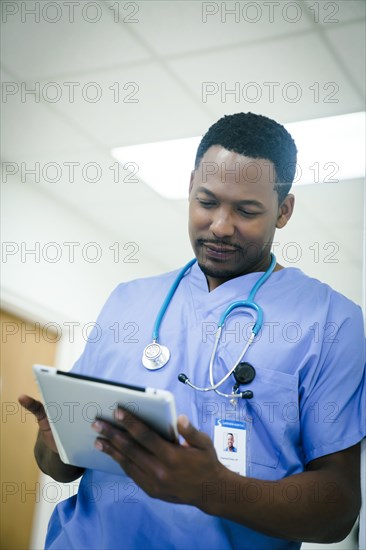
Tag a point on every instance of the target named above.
point(219, 249)
point(219, 252)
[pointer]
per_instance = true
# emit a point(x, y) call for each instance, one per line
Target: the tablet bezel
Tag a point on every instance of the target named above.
point(74, 437)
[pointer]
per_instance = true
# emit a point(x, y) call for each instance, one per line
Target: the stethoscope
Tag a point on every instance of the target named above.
point(156, 356)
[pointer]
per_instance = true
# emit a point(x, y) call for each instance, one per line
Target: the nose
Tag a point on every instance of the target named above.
point(222, 224)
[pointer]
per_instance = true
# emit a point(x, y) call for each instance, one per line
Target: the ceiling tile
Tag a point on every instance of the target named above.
point(348, 42)
point(337, 12)
point(171, 28)
point(30, 128)
point(291, 79)
point(131, 105)
point(45, 49)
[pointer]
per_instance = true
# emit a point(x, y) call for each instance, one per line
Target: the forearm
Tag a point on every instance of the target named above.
point(309, 506)
point(319, 505)
point(51, 464)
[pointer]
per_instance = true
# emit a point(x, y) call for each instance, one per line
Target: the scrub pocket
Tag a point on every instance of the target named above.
point(272, 413)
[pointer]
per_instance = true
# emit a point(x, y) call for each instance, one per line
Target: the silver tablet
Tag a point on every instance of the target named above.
point(73, 401)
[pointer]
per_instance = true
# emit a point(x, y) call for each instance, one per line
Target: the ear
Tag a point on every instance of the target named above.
point(285, 211)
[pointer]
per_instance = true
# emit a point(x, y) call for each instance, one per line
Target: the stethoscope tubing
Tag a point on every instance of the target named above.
point(168, 299)
point(249, 303)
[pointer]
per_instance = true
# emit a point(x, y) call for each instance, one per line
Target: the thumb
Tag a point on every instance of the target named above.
point(193, 437)
point(36, 408)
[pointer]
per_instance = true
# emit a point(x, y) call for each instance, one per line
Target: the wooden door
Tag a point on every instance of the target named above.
point(22, 344)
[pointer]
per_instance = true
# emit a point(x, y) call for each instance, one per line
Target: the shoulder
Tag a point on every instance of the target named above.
point(148, 284)
point(144, 288)
point(317, 293)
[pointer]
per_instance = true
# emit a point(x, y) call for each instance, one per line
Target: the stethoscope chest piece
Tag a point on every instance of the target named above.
point(244, 373)
point(155, 356)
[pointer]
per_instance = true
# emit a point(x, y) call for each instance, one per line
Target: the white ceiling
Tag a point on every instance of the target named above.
point(163, 59)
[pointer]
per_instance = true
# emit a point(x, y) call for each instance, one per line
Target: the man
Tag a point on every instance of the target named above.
point(230, 443)
point(302, 427)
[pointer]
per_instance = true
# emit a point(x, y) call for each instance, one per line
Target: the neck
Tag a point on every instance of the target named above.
point(214, 281)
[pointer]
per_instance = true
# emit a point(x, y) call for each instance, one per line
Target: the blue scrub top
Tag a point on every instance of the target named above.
point(309, 397)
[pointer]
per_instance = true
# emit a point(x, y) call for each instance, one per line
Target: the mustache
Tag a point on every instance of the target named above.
point(219, 243)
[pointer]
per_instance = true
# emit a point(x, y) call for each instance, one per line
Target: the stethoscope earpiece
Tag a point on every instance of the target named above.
point(247, 394)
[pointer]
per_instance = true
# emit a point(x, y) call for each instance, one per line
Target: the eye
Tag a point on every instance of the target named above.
point(247, 214)
point(206, 204)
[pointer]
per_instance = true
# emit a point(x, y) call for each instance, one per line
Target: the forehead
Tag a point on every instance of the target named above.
point(221, 170)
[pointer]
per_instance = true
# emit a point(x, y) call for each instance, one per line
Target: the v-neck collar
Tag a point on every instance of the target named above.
point(235, 289)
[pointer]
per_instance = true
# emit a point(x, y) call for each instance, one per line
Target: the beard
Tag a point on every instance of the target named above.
point(245, 260)
point(219, 273)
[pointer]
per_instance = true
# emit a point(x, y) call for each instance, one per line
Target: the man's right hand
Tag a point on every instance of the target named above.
point(45, 451)
point(37, 409)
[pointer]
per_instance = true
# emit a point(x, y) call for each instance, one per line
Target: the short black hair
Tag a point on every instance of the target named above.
point(255, 136)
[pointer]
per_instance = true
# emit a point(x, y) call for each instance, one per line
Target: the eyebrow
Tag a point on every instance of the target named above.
point(244, 202)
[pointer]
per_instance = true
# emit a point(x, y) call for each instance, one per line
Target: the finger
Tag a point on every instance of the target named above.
point(139, 474)
point(33, 406)
point(193, 437)
point(123, 448)
point(140, 432)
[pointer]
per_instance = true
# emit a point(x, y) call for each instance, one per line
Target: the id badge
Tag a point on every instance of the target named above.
point(230, 439)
